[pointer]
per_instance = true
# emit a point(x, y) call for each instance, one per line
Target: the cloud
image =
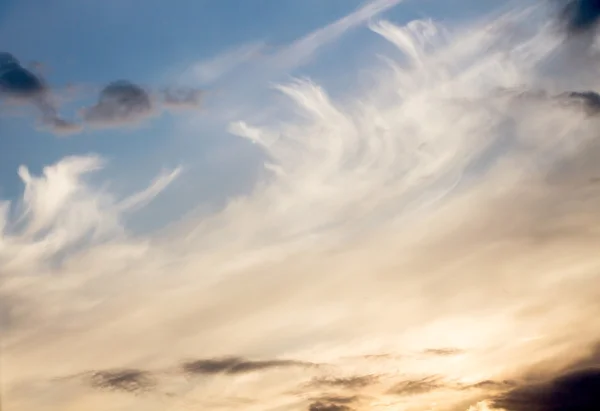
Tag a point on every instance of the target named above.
point(443, 352)
point(60, 211)
point(234, 365)
point(16, 81)
point(182, 98)
point(301, 51)
point(124, 103)
point(213, 69)
point(158, 185)
point(130, 381)
point(588, 100)
point(580, 16)
point(576, 391)
point(546, 388)
point(351, 383)
point(417, 386)
point(333, 404)
point(491, 385)
point(121, 102)
point(20, 86)
point(323, 406)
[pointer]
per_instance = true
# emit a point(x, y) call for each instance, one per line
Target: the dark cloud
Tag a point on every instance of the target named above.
point(16, 82)
point(576, 391)
point(20, 86)
point(131, 381)
point(324, 406)
point(121, 102)
point(235, 365)
point(580, 16)
point(490, 385)
point(61, 126)
point(182, 98)
point(348, 383)
point(443, 352)
point(333, 403)
point(418, 386)
point(574, 388)
point(588, 101)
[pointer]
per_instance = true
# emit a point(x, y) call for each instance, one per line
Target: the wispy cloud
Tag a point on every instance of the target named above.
point(142, 198)
point(208, 71)
point(304, 49)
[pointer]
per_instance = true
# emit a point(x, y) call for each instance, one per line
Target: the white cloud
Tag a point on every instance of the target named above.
point(333, 255)
point(303, 50)
point(296, 54)
point(61, 209)
point(142, 198)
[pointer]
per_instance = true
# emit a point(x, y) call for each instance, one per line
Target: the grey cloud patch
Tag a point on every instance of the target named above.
point(417, 386)
point(589, 101)
point(16, 81)
point(130, 381)
point(235, 365)
point(139, 381)
point(348, 382)
point(182, 98)
point(491, 385)
point(20, 86)
point(121, 102)
point(323, 406)
point(333, 403)
point(443, 352)
point(62, 126)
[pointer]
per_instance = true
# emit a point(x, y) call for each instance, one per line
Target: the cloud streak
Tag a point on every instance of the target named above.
point(233, 365)
point(303, 50)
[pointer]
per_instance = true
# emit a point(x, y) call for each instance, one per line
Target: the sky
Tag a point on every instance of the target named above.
point(317, 205)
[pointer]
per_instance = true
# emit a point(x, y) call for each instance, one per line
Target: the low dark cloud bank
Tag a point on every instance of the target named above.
point(577, 391)
point(576, 388)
